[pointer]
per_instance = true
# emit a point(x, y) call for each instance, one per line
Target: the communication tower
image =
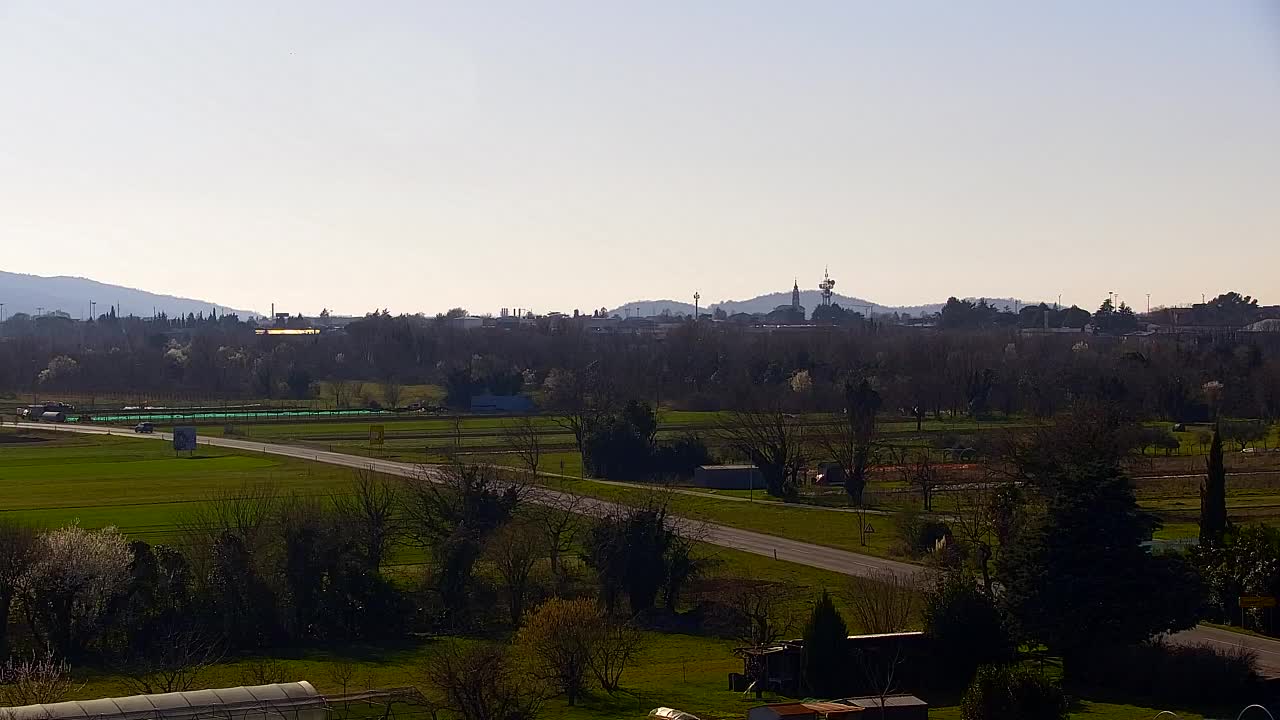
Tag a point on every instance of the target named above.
point(826, 286)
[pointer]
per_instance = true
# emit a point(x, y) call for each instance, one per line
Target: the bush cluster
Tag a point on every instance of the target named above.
point(1012, 693)
point(1182, 674)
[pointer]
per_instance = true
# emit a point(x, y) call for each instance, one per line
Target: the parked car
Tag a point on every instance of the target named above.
point(144, 427)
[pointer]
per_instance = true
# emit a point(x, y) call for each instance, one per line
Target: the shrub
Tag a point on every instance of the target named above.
point(919, 535)
point(1012, 693)
point(567, 642)
point(681, 455)
point(480, 683)
point(1190, 674)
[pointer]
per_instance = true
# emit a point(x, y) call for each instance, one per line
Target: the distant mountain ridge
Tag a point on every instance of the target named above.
point(808, 298)
point(23, 293)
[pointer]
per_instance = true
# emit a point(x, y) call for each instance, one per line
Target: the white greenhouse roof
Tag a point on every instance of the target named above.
point(224, 702)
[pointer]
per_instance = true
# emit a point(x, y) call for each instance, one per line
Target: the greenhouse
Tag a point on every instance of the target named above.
point(281, 701)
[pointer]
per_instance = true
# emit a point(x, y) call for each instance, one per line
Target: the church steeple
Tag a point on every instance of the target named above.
point(795, 293)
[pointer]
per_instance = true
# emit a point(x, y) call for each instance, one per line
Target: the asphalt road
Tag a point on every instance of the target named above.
point(818, 556)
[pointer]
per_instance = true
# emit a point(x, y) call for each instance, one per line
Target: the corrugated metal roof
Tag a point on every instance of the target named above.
point(889, 701)
point(787, 709)
point(827, 708)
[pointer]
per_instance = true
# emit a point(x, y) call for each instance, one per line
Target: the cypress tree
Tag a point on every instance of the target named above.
point(1213, 495)
point(825, 649)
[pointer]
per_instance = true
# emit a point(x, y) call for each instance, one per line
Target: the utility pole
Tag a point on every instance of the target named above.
point(1148, 303)
point(696, 298)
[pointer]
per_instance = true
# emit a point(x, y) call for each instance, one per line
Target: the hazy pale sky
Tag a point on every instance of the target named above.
point(552, 155)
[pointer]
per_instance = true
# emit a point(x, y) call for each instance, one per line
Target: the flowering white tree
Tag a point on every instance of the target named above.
point(68, 588)
point(35, 680)
point(802, 382)
point(60, 371)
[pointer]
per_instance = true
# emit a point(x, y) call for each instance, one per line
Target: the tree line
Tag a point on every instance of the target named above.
point(961, 367)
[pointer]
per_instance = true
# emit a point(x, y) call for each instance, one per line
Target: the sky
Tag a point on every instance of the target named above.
point(553, 155)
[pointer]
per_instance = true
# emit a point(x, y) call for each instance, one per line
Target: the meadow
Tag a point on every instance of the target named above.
point(140, 486)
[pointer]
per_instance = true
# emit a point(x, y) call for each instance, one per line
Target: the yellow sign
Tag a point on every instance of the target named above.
point(1257, 601)
point(377, 433)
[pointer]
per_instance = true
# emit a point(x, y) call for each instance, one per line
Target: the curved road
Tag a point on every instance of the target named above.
point(780, 548)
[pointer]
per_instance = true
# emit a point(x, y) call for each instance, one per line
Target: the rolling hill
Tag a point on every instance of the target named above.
point(808, 298)
point(29, 293)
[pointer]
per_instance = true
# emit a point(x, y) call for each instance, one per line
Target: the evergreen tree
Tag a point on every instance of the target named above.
point(966, 629)
point(825, 649)
point(1078, 578)
point(1213, 495)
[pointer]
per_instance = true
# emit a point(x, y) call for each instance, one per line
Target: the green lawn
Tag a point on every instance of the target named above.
point(141, 487)
point(135, 484)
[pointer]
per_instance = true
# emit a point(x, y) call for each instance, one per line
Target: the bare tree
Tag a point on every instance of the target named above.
point(921, 474)
point(515, 550)
point(523, 439)
point(338, 387)
point(372, 508)
point(559, 516)
point(340, 674)
point(175, 662)
point(453, 451)
point(480, 683)
point(773, 442)
point(264, 671)
point(392, 392)
point(850, 439)
point(580, 398)
point(884, 602)
point(17, 553)
point(974, 523)
point(451, 511)
point(35, 680)
point(243, 512)
point(879, 668)
point(765, 610)
point(613, 652)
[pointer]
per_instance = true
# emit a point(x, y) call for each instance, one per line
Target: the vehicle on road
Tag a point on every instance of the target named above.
point(144, 427)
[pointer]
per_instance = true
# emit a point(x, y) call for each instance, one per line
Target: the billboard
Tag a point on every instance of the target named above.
point(377, 434)
point(184, 438)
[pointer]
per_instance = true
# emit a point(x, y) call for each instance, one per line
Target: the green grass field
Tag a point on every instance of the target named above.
point(139, 486)
point(52, 479)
